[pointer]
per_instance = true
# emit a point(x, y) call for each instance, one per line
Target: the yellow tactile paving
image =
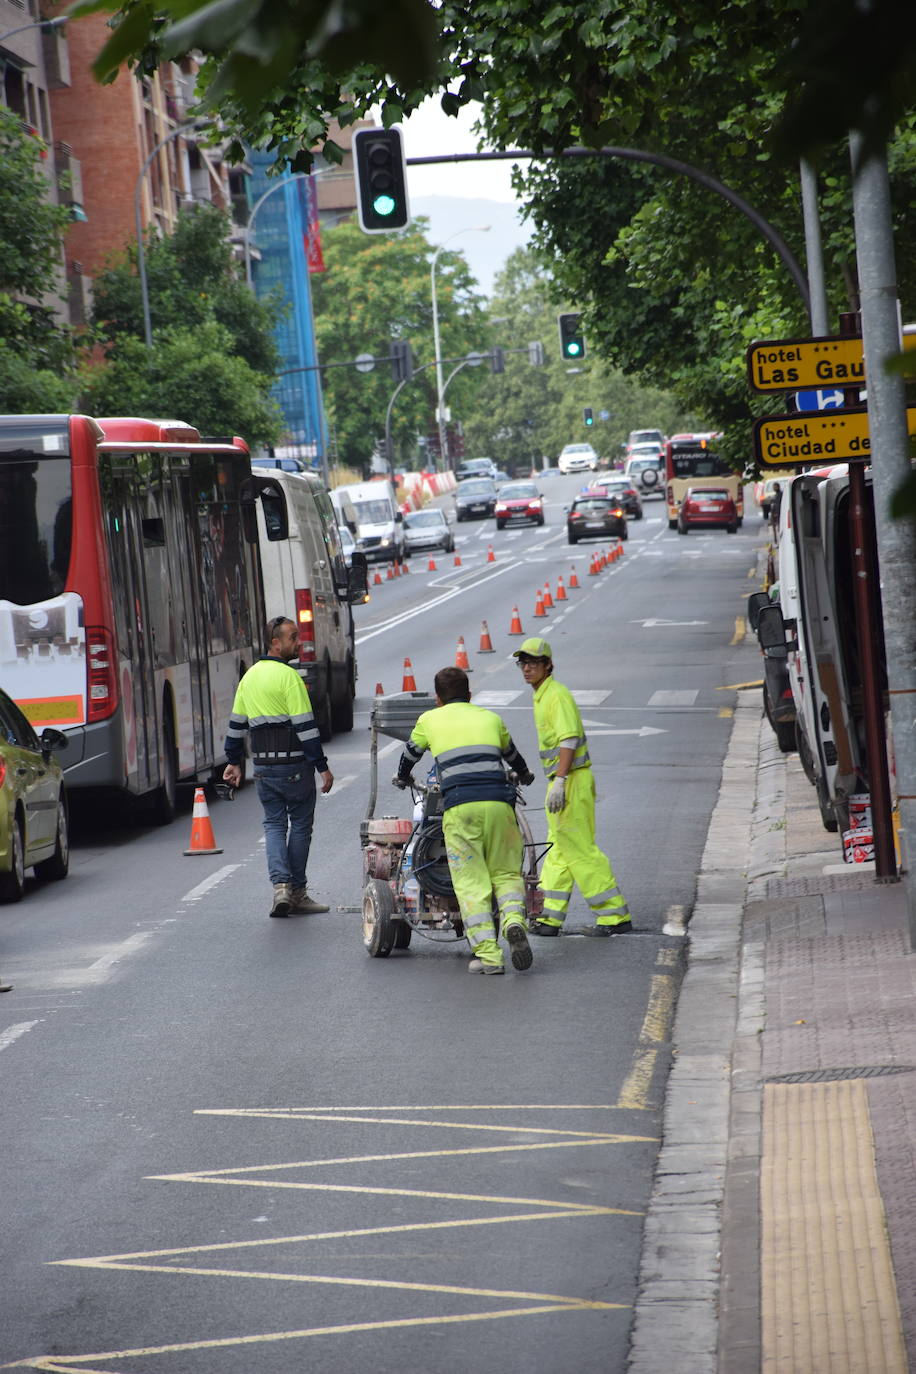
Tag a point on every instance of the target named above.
point(828, 1295)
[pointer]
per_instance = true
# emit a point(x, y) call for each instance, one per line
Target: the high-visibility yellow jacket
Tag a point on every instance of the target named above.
point(472, 749)
point(558, 722)
point(272, 706)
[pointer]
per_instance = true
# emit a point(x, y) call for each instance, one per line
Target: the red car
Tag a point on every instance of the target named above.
point(519, 501)
point(707, 507)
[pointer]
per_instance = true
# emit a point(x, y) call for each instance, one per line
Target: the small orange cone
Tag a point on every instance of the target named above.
point(431, 565)
point(491, 556)
point(593, 568)
point(390, 573)
point(561, 590)
point(620, 549)
point(573, 580)
point(486, 644)
point(548, 599)
point(203, 840)
point(405, 569)
point(539, 611)
point(397, 568)
point(377, 579)
point(457, 563)
point(379, 690)
point(515, 625)
point(461, 654)
point(408, 684)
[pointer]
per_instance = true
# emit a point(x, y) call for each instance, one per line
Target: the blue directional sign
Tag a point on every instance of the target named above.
point(819, 399)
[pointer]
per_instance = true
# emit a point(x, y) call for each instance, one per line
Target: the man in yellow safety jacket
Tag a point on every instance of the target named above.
point(472, 749)
point(573, 855)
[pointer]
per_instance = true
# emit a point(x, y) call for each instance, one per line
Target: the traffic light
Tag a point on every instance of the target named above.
point(587, 416)
point(381, 180)
point(497, 359)
point(536, 353)
point(401, 360)
point(572, 340)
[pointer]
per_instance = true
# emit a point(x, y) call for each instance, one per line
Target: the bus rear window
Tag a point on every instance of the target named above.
point(36, 525)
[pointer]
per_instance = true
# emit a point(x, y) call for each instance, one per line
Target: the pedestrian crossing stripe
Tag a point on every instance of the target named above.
point(588, 697)
point(495, 698)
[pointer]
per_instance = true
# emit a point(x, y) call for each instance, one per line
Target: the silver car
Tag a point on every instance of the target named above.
point(427, 529)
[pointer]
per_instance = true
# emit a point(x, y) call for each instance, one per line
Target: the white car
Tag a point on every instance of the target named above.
point(577, 458)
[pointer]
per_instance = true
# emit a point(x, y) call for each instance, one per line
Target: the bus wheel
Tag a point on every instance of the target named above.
point(164, 801)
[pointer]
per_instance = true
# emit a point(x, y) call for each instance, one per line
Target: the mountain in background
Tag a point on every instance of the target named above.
point(485, 253)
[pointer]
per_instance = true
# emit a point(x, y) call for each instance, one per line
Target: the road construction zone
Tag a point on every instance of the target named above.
point(798, 440)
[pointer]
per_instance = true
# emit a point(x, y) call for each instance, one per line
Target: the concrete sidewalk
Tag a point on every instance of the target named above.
point(781, 1234)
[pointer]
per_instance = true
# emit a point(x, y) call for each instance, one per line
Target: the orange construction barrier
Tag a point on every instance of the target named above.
point(203, 840)
point(561, 590)
point(408, 684)
point(486, 644)
point(548, 599)
point(457, 562)
point(491, 556)
point(461, 654)
point(573, 580)
point(515, 625)
point(431, 565)
point(539, 606)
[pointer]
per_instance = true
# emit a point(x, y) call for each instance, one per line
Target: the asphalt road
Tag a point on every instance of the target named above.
point(240, 1145)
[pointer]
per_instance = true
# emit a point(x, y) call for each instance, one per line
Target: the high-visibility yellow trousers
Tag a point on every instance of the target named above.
point(574, 857)
point(484, 847)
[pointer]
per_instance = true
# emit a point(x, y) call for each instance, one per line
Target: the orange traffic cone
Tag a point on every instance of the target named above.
point(377, 579)
point(461, 654)
point(593, 568)
point(515, 625)
point(573, 580)
point(390, 574)
point(397, 568)
point(620, 549)
point(491, 556)
point(203, 840)
point(431, 565)
point(561, 590)
point(486, 644)
point(408, 684)
point(379, 690)
point(548, 599)
point(539, 611)
point(457, 563)
point(405, 568)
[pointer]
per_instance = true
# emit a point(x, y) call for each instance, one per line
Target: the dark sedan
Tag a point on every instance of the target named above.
point(622, 490)
point(594, 516)
point(519, 501)
point(475, 497)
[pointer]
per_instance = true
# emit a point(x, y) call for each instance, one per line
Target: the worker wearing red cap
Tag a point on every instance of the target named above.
point(573, 855)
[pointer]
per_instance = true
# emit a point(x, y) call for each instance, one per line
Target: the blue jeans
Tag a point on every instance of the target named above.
point(288, 801)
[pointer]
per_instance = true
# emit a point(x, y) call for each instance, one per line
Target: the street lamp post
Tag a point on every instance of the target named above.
point(46, 26)
point(440, 389)
point(141, 255)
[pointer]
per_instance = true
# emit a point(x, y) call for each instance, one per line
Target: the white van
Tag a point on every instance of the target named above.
point(379, 523)
point(306, 578)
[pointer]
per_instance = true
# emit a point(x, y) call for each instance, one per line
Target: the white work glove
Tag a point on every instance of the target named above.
point(556, 797)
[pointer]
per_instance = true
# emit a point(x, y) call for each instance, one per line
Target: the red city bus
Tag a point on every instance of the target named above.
point(691, 460)
point(131, 598)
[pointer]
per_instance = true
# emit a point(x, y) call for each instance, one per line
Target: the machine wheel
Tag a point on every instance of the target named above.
point(342, 706)
point(12, 884)
point(402, 934)
point(58, 865)
point(379, 930)
point(165, 798)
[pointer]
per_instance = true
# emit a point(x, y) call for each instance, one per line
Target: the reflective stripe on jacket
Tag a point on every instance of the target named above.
point(472, 749)
point(558, 722)
point(272, 707)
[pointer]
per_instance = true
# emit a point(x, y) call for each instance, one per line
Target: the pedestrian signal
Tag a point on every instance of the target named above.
point(381, 180)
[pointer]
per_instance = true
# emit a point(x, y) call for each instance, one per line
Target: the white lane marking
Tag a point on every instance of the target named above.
point(203, 888)
point(666, 624)
point(390, 748)
point(588, 697)
point(121, 951)
point(673, 698)
point(13, 1032)
point(495, 698)
point(414, 611)
point(643, 731)
point(675, 922)
point(341, 783)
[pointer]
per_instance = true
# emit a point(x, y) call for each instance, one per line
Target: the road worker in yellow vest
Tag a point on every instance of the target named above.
point(472, 749)
point(573, 856)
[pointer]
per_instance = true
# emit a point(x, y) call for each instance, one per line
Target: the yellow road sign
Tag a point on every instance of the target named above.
point(785, 364)
point(798, 440)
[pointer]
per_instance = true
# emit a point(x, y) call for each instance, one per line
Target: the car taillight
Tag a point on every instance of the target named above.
point(575, 515)
point(617, 510)
point(101, 674)
point(305, 619)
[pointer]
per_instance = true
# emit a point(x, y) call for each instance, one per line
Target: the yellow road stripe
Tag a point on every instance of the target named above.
point(725, 712)
point(740, 630)
point(403, 1107)
point(300, 1115)
point(738, 686)
point(634, 1093)
point(656, 1023)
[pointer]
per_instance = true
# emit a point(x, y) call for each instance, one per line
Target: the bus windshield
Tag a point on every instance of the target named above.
point(36, 525)
point(691, 461)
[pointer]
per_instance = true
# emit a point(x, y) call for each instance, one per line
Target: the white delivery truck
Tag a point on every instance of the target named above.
point(307, 579)
point(379, 523)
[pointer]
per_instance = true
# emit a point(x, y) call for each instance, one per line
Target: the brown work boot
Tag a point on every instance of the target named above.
point(282, 899)
point(304, 905)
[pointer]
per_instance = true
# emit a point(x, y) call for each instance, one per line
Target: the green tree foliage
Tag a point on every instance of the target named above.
point(213, 355)
point(377, 289)
point(36, 353)
point(529, 412)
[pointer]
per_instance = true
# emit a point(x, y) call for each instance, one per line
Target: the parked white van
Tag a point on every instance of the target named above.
point(379, 523)
point(307, 579)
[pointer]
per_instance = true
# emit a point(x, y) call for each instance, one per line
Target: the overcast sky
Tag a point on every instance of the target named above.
point(427, 132)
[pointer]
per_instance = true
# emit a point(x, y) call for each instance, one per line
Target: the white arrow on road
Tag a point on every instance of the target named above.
point(653, 624)
point(642, 731)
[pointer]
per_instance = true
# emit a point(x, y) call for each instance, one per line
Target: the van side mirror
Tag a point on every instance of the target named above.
point(398, 518)
point(50, 740)
point(358, 579)
point(755, 603)
point(771, 632)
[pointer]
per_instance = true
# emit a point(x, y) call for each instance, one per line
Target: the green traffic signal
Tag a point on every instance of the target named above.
point(572, 340)
point(381, 180)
